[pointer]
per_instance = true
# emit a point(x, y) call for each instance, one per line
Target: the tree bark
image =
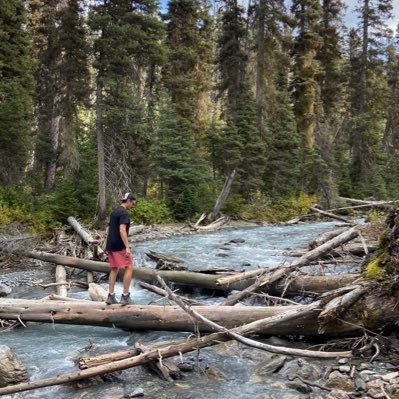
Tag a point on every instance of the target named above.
point(330, 215)
point(168, 318)
point(83, 234)
point(101, 217)
point(223, 195)
point(314, 284)
point(60, 279)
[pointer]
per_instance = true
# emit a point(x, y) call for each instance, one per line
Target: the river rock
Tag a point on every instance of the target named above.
point(215, 373)
point(340, 381)
point(266, 367)
point(344, 369)
point(390, 376)
point(303, 369)
point(4, 290)
point(376, 393)
point(393, 391)
point(299, 386)
point(375, 384)
point(12, 370)
point(337, 394)
point(136, 393)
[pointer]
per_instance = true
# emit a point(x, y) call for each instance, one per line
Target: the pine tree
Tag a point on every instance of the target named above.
point(330, 109)
point(62, 82)
point(176, 162)
point(281, 178)
point(15, 92)
point(330, 57)
point(268, 18)
point(187, 72)
point(240, 145)
point(391, 133)
point(368, 103)
point(128, 48)
point(306, 68)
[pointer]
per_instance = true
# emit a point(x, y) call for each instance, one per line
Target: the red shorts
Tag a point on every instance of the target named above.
point(119, 259)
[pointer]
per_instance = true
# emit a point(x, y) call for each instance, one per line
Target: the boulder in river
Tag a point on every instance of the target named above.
point(4, 290)
point(12, 370)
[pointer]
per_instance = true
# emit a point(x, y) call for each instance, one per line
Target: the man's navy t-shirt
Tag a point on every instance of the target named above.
point(114, 240)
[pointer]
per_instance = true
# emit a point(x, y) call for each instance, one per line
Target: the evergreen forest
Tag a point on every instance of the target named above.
point(101, 97)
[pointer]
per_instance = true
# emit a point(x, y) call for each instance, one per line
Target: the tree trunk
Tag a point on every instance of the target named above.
point(330, 215)
point(51, 164)
point(83, 234)
point(314, 284)
point(101, 217)
point(223, 195)
point(170, 318)
point(60, 278)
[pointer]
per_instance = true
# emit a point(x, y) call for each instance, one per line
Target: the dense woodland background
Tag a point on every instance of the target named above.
point(102, 97)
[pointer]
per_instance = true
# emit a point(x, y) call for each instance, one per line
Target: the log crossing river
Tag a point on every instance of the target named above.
point(49, 349)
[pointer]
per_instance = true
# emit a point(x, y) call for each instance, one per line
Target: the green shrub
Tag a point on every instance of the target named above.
point(261, 207)
point(151, 211)
point(234, 205)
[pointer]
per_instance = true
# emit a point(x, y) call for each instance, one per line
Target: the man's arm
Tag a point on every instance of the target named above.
point(123, 232)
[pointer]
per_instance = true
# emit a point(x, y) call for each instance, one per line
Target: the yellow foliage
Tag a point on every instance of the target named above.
point(374, 270)
point(262, 207)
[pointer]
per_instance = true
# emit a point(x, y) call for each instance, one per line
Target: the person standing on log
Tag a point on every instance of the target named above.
point(118, 249)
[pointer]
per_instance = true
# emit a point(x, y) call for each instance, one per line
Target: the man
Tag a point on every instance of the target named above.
point(118, 249)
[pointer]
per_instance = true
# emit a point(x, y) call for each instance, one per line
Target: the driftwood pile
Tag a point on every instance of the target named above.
point(343, 305)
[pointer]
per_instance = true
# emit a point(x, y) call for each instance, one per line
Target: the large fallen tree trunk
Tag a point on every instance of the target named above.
point(175, 349)
point(371, 312)
point(167, 318)
point(313, 284)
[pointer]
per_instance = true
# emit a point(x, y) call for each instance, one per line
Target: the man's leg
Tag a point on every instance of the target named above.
point(112, 279)
point(127, 279)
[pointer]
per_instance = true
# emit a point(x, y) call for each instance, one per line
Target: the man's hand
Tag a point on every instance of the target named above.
point(128, 253)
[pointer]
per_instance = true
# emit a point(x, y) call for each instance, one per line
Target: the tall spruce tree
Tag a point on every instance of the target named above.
point(269, 20)
point(176, 162)
point(185, 77)
point(368, 99)
point(15, 92)
point(282, 171)
point(62, 81)
point(391, 133)
point(330, 101)
point(240, 145)
point(127, 49)
point(306, 67)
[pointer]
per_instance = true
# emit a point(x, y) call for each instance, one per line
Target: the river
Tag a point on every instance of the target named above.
point(48, 350)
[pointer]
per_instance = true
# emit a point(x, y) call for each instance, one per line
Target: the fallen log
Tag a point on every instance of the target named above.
point(298, 285)
point(157, 256)
point(165, 318)
point(159, 353)
point(83, 234)
point(328, 235)
point(314, 284)
point(314, 254)
point(330, 215)
point(213, 226)
point(371, 204)
point(86, 361)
